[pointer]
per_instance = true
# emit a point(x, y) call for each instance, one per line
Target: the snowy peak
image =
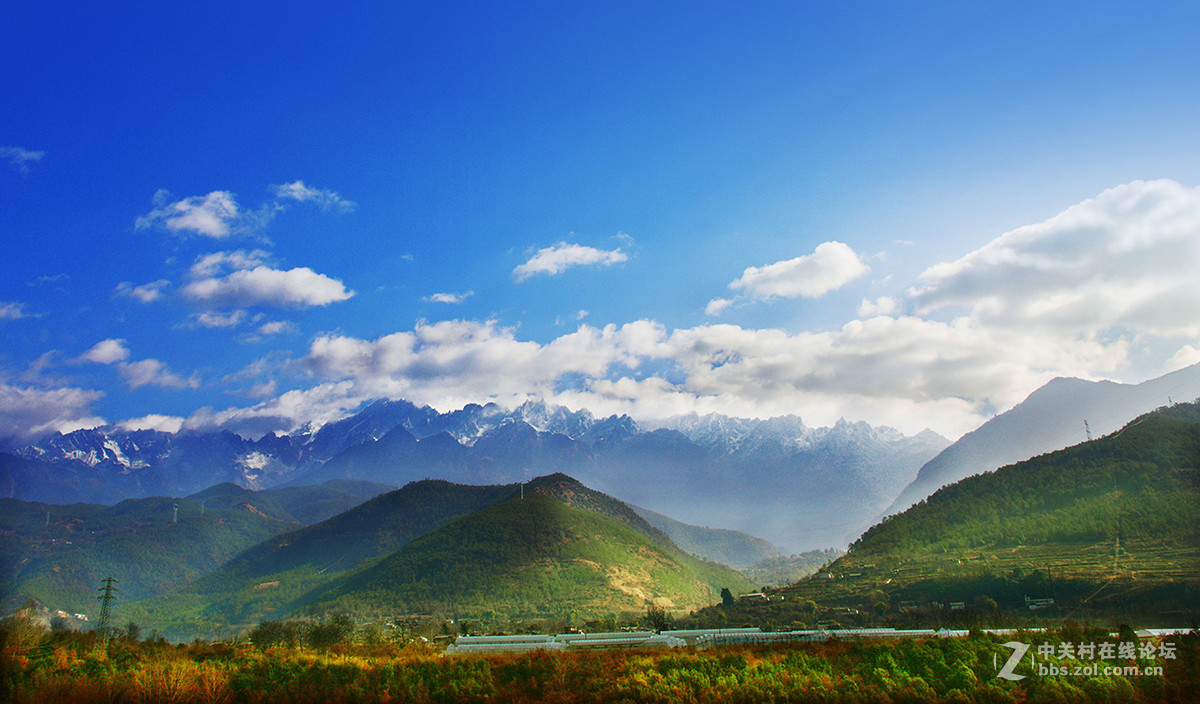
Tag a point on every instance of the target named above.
point(815, 486)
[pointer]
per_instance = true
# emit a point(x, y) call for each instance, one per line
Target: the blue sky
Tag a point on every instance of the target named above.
point(256, 215)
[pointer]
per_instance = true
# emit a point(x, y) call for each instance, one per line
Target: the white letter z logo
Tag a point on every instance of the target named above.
point(1019, 650)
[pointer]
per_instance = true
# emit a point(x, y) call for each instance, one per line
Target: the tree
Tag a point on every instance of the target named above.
point(657, 617)
point(339, 629)
point(727, 597)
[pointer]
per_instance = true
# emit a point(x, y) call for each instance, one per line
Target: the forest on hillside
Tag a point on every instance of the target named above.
point(1141, 482)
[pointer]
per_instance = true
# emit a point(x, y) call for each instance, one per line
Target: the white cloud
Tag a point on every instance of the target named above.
point(562, 256)
point(152, 372)
point(287, 412)
point(884, 305)
point(263, 286)
point(1125, 260)
point(27, 412)
point(899, 370)
point(831, 266)
point(454, 362)
point(46, 279)
point(20, 158)
point(12, 311)
point(1185, 356)
point(263, 390)
point(144, 372)
point(154, 421)
point(324, 198)
point(216, 319)
point(717, 306)
point(452, 298)
point(215, 215)
point(209, 265)
point(146, 293)
point(218, 215)
point(276, 327)
point(108, 351)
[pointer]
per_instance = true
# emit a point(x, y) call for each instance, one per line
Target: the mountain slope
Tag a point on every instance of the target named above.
point(264, 578)
point(58, 554)
point(272, 579)
point(531, 556)
point(1050, 419)
point(1107, 527)
point(304, 505)
point(730, 547)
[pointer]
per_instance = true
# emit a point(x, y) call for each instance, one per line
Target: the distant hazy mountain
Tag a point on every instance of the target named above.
point(1050, 419)
point(799, 487)
point(781, 571)
point(729, 547)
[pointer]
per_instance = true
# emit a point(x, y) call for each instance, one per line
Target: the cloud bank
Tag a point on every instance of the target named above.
point(1104, 289)
point(27, 412)
point(1085, 293)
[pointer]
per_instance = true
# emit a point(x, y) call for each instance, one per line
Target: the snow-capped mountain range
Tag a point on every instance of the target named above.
point(800, 487)
point(714, 470)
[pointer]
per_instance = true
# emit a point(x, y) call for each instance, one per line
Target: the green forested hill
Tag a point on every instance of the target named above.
point(310, 567)
point(265, 578)
point(527, 557)
point(1138, 484)
point(59, 554)
point(1109, 529)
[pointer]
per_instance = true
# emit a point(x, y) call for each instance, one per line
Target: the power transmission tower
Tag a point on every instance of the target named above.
point(106, 598)
point(1087, 429)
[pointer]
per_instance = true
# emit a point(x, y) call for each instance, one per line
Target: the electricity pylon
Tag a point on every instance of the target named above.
point(106, 598)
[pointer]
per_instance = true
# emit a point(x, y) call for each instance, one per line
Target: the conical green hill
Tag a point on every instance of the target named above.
point(527, 557)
